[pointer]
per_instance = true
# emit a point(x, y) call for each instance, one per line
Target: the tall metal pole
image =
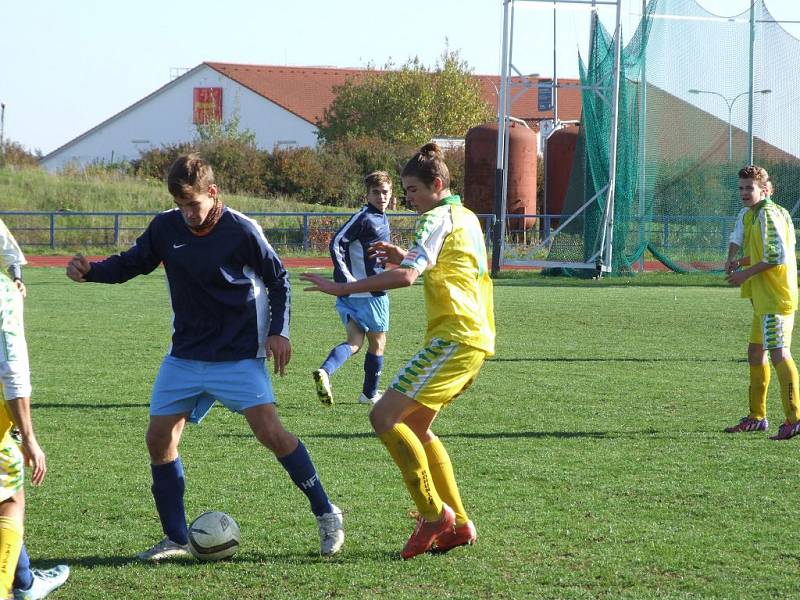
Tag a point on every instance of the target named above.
point(555, 74)
point(607, 240)
point(730, 129)
point(546, 138)
point(642, 138)
point(498, 233)
point(751, 84)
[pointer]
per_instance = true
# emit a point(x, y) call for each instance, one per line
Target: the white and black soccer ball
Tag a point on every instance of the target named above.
point(214, 535)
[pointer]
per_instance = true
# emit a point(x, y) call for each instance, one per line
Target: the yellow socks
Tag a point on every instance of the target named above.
point(409, 455)
point(10, 545)
point(787, 375)
point(759, 382)
point(444, 479)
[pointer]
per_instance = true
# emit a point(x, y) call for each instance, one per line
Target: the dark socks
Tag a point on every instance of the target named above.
point(300, 468)
point(373, 365)
point(168, 487)
point(23, 578)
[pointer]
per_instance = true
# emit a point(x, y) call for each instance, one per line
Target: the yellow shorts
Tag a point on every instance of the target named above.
point(11, 467)
point(772, 331)
point(439, 373)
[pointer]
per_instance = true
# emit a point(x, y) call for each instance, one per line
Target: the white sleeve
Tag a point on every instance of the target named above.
point(10, 253)
point(737, 235)
point(431, 230)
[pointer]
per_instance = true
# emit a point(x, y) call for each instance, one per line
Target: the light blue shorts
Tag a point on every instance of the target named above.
point(371, 314)
point(192, 386)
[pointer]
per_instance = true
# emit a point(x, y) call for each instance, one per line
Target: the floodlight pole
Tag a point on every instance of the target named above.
point(729, 102)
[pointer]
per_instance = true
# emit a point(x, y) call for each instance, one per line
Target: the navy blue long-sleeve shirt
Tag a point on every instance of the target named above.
point(349, 247)
point(228, 289)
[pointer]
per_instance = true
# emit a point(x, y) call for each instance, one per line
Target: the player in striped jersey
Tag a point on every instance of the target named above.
point(449, 249)
point(364, 314)
point(769, 280)
point(230, 296)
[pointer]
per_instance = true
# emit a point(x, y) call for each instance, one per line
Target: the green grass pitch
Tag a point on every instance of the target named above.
point(589, 453)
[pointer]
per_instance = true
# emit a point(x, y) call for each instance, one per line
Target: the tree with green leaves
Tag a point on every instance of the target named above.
point(408, 105)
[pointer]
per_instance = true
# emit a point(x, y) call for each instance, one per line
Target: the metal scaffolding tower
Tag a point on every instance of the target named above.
point(600, 260)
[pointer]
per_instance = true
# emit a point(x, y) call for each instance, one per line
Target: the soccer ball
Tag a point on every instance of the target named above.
point(214, 535)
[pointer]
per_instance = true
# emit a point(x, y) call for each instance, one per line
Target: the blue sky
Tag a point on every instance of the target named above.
point(66, 65)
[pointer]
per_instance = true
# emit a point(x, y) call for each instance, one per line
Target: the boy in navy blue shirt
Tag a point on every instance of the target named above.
point(363, 314)
point(230, 296)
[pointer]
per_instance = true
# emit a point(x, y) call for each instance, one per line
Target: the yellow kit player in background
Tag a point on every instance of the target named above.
point(449, 249)
point(769, 280)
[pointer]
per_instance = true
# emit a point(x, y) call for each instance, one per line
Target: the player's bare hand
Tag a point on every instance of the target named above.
point(737, 278)
point(731, 265)
point(322, 284)
point(279, 351)
point(386, 252)
point(78, 267)
point(21, 287)
point(34, 459)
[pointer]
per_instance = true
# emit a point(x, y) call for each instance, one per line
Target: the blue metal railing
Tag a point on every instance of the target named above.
point(300, 230)
point(310, 231)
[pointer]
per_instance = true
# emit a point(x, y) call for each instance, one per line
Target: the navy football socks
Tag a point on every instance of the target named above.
point(168, 488)
point(23, 578)
point(373, 365)
point(300, 468)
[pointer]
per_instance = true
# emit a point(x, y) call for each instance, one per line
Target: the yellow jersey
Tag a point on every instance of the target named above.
point(450, 251)
point(769, 237)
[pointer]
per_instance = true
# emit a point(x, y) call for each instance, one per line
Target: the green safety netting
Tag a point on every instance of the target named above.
point(684, 120)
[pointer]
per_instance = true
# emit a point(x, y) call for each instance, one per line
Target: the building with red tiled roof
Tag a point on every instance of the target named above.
point(280, 105)
point(308, 91)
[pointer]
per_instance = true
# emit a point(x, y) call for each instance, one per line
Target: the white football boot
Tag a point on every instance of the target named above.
point(166, 548)
point(364, 399)
point(44, 582)
point(331, 534)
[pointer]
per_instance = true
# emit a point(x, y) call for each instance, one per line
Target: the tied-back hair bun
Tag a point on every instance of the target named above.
point(431, 150)
point(428, 164)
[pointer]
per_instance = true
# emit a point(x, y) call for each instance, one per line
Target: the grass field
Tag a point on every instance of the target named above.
point(589, 453)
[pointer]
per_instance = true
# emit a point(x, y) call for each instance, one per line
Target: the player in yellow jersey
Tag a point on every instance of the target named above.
point(16, 574)
point(16, 577)
point(449, 249)
point(769, 280)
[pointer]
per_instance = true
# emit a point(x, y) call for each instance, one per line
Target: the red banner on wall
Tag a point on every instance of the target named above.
point(207, 105)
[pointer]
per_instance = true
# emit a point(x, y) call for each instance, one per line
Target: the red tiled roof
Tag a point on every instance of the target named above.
point(308, 91)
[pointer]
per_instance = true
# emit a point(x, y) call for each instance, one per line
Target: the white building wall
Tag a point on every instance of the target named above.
point(166, 118)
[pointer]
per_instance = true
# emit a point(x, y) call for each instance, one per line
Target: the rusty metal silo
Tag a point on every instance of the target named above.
point(480, 162)
point(560, 152)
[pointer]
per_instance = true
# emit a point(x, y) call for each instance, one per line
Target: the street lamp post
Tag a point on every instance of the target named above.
point(729, 103)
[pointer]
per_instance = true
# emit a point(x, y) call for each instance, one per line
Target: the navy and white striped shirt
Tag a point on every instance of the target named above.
point(350, 244)
point(228, 289)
